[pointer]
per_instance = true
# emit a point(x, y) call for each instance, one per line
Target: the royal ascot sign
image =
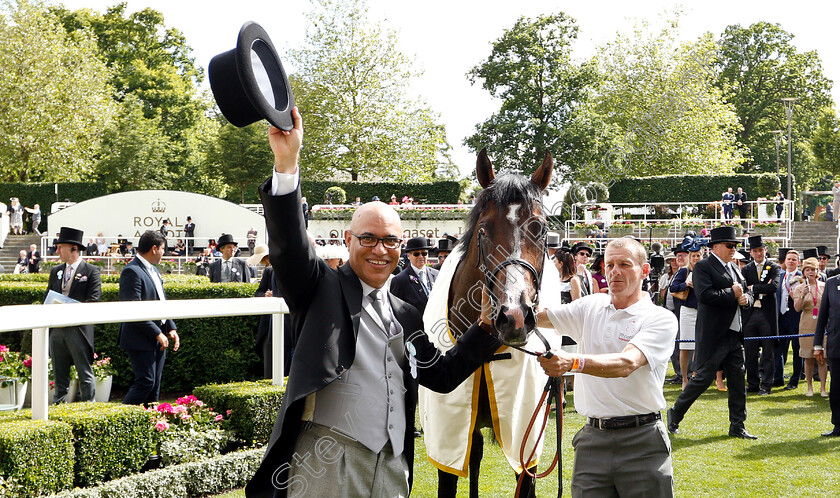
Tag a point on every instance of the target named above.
point(129, 214)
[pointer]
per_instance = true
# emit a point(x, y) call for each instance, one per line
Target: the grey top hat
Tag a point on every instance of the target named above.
point(552, 240)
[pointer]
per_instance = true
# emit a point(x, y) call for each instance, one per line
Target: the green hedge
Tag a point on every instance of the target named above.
point(202, 478)
point(212, 350)
point(688, 188)
point(36, 456)
point(44, 194)
point(253, 406)
point(443, 192)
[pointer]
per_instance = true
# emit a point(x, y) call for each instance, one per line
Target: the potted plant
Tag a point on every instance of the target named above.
point(772, 247)
point(767, 228)
point(104, 373)
point(658, 229)
point(621, 228)
point(583, 229)
point(187, 431)
point(15, 372)
point(694, 225)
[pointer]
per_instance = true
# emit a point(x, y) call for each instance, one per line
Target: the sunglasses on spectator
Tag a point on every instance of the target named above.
point(731, 246)
point(419, 253)
point(824, 258)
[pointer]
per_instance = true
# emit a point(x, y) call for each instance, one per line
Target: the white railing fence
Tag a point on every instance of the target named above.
point(40, 318)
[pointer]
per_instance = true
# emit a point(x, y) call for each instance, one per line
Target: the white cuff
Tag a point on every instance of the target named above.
point(284, 183)
point(818, 348)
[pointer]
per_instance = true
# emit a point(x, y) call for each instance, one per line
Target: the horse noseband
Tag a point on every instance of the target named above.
point(489, 276)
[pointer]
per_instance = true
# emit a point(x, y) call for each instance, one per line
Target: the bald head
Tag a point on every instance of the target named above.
point(375, 212)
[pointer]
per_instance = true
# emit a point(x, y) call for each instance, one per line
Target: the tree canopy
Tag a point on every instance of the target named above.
point(351, 85)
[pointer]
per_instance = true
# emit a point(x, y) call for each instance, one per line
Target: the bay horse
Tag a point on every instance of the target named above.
point(503, 249)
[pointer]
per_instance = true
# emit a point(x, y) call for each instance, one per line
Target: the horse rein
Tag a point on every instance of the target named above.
point(551, 391)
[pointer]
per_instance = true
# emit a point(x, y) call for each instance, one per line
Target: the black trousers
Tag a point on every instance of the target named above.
point(757, 326)
point(729, 357)
point(834, 394)
point(147, 367)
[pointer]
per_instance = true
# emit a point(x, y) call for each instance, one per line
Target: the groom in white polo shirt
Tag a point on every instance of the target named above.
point(624, 343)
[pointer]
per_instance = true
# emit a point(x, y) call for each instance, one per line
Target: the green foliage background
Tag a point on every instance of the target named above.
point(686, 188)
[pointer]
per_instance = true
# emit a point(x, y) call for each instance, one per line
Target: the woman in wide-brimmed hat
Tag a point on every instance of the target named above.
point(806, 299)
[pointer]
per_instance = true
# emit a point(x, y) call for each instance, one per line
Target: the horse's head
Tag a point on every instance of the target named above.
point(507, 241)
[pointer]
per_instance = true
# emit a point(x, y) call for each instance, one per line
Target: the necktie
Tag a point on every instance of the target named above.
point(379, 307)
point(735, 279)
point(65, 285)
point(423, 282)
point(227, 271)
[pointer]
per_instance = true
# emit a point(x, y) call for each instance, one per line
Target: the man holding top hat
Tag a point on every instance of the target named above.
point(445, 246)
point(761, 320)
point(721, 297)
point(79, 280)
point(228, 268)
point(414, 284)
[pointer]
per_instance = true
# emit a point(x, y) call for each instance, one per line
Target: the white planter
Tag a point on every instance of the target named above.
point(103, 389)
point(27, 402)
point(13, 395)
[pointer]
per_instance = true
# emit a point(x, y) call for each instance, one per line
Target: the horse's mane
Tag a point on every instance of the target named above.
point(505, 190)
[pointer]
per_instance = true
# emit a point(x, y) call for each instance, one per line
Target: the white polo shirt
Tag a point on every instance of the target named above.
point(599, 328)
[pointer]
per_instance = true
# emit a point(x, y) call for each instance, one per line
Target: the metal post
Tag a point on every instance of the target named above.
point(40, 377)
point(788, 103)
point(277, 366)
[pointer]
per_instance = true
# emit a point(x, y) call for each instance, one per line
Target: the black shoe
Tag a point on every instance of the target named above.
point(832, 433)
point(417, 433)
point(764, 392)
point(741, 433)
point(673, 427)
point(790, 387)
point(677, 379)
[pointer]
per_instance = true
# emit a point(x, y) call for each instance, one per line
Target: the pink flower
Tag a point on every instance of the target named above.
point(219, 417)
point(161, 426)
point(165, 408)
point(27, 362)
point(179, 409)
point(186, 400)
point(3, 348)
point(95, 356)
point(228, 412)
point(185, 416)
point(199, 402)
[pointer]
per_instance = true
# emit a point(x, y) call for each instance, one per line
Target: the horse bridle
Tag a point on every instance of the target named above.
point(551, 391)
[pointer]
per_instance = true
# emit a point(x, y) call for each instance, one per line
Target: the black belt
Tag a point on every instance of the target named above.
point(611, 424)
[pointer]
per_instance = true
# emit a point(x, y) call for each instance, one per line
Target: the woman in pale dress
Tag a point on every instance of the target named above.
point(688, 311)
point(100, 244)
point(806, 299)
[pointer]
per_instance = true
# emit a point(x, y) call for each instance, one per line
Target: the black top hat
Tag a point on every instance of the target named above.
point(580, 246)
point(249, 82)
point(755, 242)
point(418, 243)
point(445, 245)
point(810, 253)
point(69, 235)
point(823, 251)
point(678, 249)
point(552, 240)
point(723, 234)
point(225, 239)
point(783, 252)
point(747, 258)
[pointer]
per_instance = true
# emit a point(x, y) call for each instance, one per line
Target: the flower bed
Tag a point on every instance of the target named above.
point(767, 228)
point(583, 229)
point(406, 213)
point(188, 431)
point(658, 229)
point(621, 228)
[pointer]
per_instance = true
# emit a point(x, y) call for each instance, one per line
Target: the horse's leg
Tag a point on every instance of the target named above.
point(475, 461)
point(447, 484)
point(528, 489)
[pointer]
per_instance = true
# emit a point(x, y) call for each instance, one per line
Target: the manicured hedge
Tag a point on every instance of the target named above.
point(688, 188)
point(36, 456)
point(253, 406)
point(443, 192)
point(212, 349)
point(202, 478)
point(44, 194)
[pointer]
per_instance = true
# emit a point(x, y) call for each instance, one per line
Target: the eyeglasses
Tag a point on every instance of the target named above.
point(419, 253)
point(371, 241)
point(823, 258)
point(731, 246)
point(582, 253)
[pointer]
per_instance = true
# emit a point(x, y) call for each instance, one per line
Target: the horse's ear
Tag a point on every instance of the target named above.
point(484, 170)
point(542, 176)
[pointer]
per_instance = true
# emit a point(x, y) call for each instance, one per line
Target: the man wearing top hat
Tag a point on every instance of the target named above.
point(582, 252)
point(228, 268)
point(414, 284)
point(789, 277)
point(445, 246)
point(721, 296)
point(761, 320)
point(79, 280)
point(822, 259)
point(828, 330)
point(189, 234)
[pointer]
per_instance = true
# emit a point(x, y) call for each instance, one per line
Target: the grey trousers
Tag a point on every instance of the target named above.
point(633, 462)
point(327, 464)
point(69, 347)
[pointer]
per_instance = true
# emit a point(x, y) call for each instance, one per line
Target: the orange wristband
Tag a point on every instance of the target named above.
point(578, 364)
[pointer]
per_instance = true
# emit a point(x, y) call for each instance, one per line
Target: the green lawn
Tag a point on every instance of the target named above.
point(789, 458)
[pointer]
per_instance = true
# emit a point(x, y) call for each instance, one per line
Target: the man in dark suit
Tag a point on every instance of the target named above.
point(728, 198)
point(145, 342)
point(761, 320)
point(741, 202)
point(721, 297)
point(445, 246)
point(359, 356)
point(189, 233)
point(33, 258)
point(414, 284)
point(828, 324)
point(789, 276)
point(77, 280)
point(228, 268)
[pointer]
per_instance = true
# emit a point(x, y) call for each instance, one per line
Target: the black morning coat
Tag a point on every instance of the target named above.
point(326, 308)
